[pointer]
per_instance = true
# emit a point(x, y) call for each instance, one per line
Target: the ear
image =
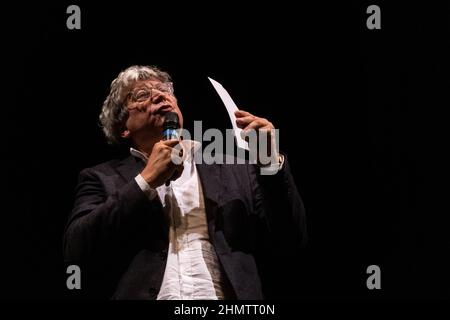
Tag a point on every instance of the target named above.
point(125, 133)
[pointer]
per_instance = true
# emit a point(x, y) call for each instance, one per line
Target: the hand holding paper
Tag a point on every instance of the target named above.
point(243, 120)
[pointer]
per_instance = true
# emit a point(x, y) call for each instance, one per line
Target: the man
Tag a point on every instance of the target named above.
point(149, 227)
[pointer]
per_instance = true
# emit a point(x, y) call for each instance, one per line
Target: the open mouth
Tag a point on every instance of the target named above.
point(164, 109)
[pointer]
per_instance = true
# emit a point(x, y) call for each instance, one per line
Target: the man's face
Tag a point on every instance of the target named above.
point(147, 103)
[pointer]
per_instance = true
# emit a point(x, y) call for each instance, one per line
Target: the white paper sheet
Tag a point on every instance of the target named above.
point(231, 108)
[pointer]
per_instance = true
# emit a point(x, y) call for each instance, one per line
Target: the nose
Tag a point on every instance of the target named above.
point(160, 103)
point(158, 96)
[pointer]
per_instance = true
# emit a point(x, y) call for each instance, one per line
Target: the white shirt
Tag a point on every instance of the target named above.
point(192, 271)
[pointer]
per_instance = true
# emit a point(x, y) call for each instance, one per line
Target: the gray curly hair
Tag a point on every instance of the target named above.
point(114, 112)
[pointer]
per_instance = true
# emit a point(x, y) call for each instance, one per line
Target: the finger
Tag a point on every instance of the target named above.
point(244, 121)
point(256, 124)
point(170, 143)
point(267, 128)
point(242, 113)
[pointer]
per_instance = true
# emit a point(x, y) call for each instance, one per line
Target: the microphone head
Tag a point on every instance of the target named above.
point(170, 126)
point(171, 121)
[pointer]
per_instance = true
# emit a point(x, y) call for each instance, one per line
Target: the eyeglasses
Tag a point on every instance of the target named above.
point(146, 93)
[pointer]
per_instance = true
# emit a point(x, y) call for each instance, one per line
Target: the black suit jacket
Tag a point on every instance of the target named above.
point(120, 238)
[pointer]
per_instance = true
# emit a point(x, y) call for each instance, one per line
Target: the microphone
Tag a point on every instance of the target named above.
point(170, 127)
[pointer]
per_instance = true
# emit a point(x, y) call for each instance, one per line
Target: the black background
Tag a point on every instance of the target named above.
point(360, 113)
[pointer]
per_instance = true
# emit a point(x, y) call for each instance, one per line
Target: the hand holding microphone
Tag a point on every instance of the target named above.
point(160, 167)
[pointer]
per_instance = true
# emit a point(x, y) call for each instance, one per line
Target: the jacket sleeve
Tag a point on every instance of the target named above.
point(99, 220)
point(278, 202)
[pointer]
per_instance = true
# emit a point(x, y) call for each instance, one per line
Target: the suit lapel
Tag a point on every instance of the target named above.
point(210, 179)
point(130, 167)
